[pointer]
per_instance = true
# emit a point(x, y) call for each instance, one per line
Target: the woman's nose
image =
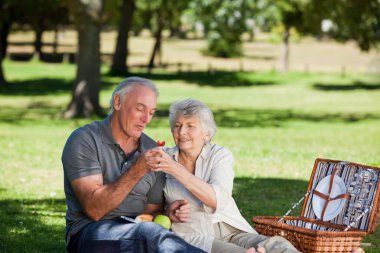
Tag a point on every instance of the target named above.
point(182, 130)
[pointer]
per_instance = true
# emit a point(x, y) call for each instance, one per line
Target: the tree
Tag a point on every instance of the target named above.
point(88, 16)
point(288, 14)
point(2, 77)
point(43, 17)
point(291, 16)
point(160, 16)
point(356, 20)
point(224, 22)
point(119, 61)
point(5, 24)
point(166, 14)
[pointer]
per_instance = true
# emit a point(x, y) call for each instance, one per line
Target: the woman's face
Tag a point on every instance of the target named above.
point(188, 133)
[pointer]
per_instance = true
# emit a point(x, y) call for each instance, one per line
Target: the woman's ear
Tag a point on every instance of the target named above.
point(207, 137)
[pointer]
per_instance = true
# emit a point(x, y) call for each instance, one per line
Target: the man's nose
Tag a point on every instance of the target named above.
point(146, 117)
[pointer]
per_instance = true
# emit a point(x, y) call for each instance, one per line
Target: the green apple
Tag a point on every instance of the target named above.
point(163, 220)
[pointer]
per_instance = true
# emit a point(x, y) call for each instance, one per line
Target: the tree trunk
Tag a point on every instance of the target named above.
point(38, 41)
point(158, 38)
point(285, 56)
point(2, 78)
point(85, 94)
point(4, 31)
point(119, 62)
point(55, 41)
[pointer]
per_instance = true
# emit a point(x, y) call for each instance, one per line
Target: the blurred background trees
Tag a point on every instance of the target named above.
point(224, 24)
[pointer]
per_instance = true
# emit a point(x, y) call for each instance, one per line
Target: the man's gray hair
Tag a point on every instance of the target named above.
point(193, 108)
point(126, 85)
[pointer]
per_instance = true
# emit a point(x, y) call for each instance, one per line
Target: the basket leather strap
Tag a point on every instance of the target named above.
point(328, 197)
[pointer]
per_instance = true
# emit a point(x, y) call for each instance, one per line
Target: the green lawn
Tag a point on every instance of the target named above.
point(275, 125)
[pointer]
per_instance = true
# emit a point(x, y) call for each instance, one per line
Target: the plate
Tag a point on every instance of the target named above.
point(335, 206)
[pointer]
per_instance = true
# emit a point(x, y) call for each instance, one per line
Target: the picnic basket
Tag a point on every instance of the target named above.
point(340, 207)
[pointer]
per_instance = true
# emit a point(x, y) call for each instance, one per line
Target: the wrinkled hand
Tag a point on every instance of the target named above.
point(179, 211)
point(159, 160)
point(140, 168)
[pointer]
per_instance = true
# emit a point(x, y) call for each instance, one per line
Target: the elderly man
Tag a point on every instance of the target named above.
point(106, 177)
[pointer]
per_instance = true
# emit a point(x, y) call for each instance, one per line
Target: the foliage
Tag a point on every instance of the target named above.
point(147, 11)
point(296, 14)
point(224, 22)
point(352, 20)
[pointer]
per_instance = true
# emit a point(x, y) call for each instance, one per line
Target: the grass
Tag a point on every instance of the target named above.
point(275, 125)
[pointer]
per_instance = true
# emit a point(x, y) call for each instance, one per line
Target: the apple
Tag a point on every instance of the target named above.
point(163, 220)
point(161, 143)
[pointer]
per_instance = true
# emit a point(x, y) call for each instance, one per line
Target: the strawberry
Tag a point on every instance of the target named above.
point(160, 143)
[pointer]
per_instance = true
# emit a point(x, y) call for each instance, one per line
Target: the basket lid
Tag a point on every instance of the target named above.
point(344, 193)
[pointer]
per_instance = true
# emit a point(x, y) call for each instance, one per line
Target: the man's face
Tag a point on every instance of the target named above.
point(135, 111)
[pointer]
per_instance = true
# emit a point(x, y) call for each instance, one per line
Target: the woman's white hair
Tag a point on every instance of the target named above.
point(193, 108)
point(126, 85)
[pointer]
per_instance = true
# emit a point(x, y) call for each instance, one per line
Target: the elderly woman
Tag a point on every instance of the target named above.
point(202, 173)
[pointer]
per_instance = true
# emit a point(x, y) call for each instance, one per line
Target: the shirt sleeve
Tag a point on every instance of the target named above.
point(221, 179)
point(79, 157)
point(156, 193)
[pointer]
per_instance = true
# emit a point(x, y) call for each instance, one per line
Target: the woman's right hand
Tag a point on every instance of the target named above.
point(159, 160)
point(179, 211)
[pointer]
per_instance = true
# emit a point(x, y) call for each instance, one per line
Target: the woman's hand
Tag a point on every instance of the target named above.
point(179, 211)
point(159, 160)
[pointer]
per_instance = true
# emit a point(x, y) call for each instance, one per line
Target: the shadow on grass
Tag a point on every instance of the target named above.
point(231, 118)
point(214, 79)
point(358, 85)
point(237, 117)
point(31, 225)
point(261, 57)
point(42, 86)
point(267, 196)
point(35, 111)
point(36, 87)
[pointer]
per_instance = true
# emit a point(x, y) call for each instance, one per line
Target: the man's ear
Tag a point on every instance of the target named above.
point(117, 103)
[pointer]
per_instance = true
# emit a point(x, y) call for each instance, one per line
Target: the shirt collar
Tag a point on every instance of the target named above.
point(205, 150)
point(105, 131)
point(204, 153)
point(144, 143)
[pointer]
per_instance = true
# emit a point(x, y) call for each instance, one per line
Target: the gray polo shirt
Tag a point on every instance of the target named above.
point(92, 150)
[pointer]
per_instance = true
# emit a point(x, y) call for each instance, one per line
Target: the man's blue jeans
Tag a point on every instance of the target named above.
point(118, 236)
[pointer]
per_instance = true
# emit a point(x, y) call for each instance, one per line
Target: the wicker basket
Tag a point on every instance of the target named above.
point(311, 235)
point(309, 240)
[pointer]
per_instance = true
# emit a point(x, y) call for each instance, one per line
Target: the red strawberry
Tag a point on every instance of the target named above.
point(161, 143)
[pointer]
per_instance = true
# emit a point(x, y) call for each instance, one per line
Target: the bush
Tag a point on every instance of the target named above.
point(223, 46)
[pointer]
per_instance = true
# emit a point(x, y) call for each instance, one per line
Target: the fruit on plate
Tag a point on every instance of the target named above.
point(163, 220)
point(144, 217)
point(160, 143)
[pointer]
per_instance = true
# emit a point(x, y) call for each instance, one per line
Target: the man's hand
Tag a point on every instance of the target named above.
point(140, 168)
point(179, 211)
